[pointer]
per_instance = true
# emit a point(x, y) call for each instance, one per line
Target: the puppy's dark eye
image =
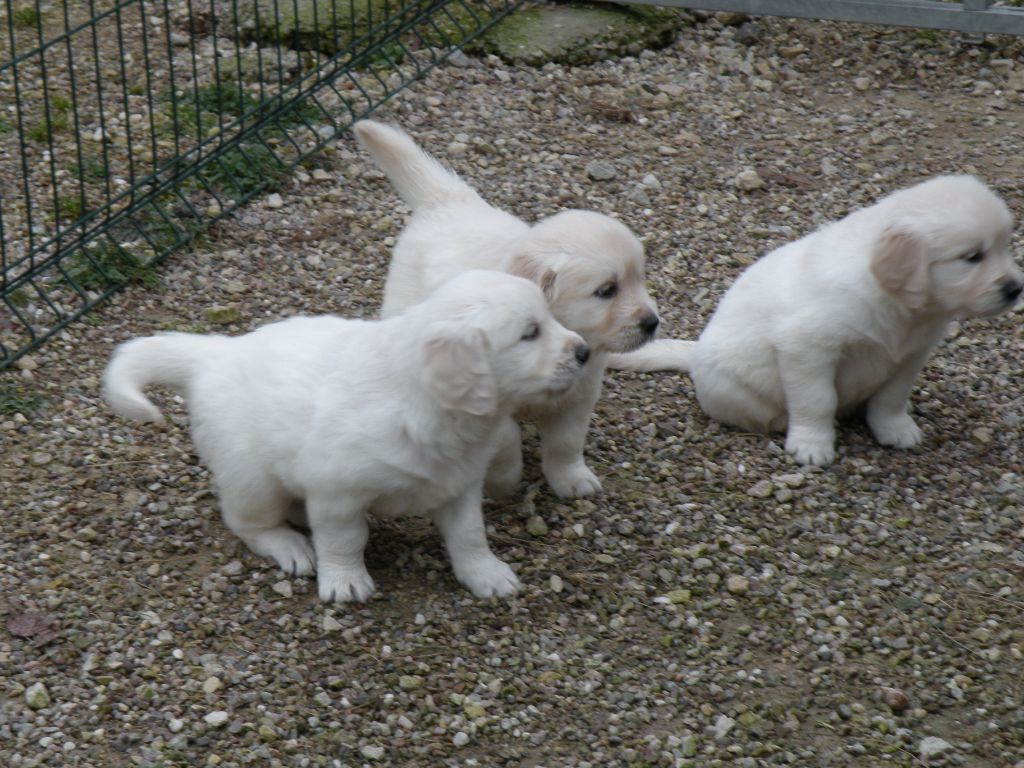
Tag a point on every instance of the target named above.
point(532, 333)
point(608, 290)
point(975, 257)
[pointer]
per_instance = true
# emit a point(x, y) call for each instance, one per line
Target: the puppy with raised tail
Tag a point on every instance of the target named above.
point(848, 316)
point(590, 267)
point(392, 417)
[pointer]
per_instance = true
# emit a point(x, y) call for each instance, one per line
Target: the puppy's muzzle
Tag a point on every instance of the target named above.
point(1011, 289)
point(649, 324)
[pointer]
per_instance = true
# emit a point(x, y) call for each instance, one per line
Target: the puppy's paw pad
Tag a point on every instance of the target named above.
point(574, 481)
point(337, 584)
point(490, 578)
point(818, 453)
point(898, 433)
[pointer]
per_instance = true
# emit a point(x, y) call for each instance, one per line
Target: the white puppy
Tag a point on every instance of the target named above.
point(590, 266)
point(847, 316)
point(397, 416)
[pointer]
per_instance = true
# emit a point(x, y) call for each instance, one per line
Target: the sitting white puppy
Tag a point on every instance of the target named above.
point(847, 316)
point(393, 417)
point(590, 266)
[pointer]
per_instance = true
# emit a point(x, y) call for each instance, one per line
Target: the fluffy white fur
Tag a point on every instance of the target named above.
point(396, 416)
point(848, 316)
point(590, 266)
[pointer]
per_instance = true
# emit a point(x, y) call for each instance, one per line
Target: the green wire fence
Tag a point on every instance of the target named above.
point(128, 126)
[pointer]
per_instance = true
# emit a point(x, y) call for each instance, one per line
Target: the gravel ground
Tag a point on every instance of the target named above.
point(716, 605)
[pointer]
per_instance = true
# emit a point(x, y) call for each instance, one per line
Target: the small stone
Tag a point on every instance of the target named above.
point(41, 459)
point(26, 363)
point(266, 733)
point(319, 174)
point(933, 746)
point(828, 168)
point(536, 526)
point(410, 682)
point(274, 201)
point(372, 752)
point(841, 622)
point(174, 725)
point(895, 699)
point(639, 196)
point(600, 170)
point(688, 745)
point(473, 709)
point(723, 725)
point(862, 83)
point(330, 624)
point(179, 39)
point(702, 564)
point(749, 180)
point(232, 569)
point(283, 588)
point(983, 435)
point(651, 181)
point(761, 490)
point(37, 697)
point(216, 719)
point(212, 685)
point(153, 570)
point(460, 739)
point(459, 59)
point(792, 480)
point(556, 583)
point(222, 314)
point(737, 584)
point(678, 597)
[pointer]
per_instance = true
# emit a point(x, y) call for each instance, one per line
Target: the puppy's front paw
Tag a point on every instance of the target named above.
point(818, 450)
point(488, 578)
point(900, 432)
point(572, 480)
point(343, 584)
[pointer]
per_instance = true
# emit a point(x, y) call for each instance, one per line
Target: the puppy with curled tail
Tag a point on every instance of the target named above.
point(590, 267)
point(848, 316)
point(353, 417)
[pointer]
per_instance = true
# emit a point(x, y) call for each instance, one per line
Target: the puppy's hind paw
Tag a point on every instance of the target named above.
point(900, 432)
point(817, 452)
point(292, 551)
point(489, 578)
point(575, 480)
point(344, 584)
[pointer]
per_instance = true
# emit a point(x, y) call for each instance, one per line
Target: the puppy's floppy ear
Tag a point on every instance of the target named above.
point(900, 265)
point(531, 267)
point(456, 369)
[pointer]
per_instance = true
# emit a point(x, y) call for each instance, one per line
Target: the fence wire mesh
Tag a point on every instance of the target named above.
point(128, 126)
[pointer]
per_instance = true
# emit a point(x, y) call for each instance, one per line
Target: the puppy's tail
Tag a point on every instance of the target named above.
point(170, 359)
point(421, 181)
point(660, 355)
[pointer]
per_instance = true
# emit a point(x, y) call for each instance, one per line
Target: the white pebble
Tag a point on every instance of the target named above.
point(216, 719)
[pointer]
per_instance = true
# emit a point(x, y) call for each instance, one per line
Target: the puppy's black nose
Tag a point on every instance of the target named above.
point(1011, 290)
point(582, 354)
point(650, 324)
